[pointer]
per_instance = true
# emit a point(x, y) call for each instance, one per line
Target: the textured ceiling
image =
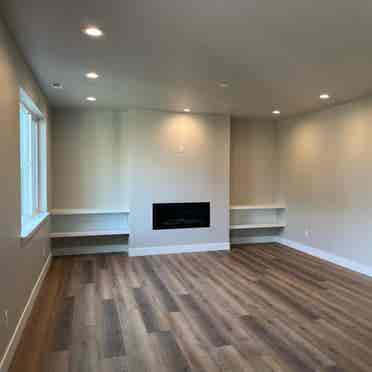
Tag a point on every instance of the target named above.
point(171, 54)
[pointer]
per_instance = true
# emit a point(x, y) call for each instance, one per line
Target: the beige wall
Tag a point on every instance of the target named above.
point(326, 179)
point(254, 162)
point(162, 172)
point(90, 160)
point(20, 263)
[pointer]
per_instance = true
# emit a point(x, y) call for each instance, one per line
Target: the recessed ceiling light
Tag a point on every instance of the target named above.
point(57, 85)
point(93, 31)
point(91, 99)
point(92, 75)
point(324, 96)
point(276, 112)
point(187, 110)
point(223, 85)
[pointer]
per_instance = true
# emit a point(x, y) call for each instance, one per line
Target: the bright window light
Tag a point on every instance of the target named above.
point(32, 162)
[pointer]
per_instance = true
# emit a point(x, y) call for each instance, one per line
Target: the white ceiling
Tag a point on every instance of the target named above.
point(171, 54)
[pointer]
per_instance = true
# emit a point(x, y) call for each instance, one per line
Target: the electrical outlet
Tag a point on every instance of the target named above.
point(6, 319)
point(307, 233)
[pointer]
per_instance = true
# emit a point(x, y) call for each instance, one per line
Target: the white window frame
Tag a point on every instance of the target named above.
point(33, 165)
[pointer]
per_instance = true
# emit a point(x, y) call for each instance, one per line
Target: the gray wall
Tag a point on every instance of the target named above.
point(162, 172)
point(20, 262)
point(326, 179)
point(254, 162)
point(90, 160)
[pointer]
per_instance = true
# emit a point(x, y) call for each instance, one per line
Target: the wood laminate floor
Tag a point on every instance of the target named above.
point(258, 308)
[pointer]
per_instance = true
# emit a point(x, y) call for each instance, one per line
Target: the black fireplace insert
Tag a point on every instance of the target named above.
point(180, 215)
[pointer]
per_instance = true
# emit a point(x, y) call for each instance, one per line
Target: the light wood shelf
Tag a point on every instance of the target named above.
point(67, 223)
point(257, 207)
point(70, 234)
point(68, 212)
point(257, 226)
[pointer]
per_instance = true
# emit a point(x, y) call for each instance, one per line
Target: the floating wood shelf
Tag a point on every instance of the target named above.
point(65, 212)
point(88, 233)
point(89, 222)
point(257, 207)
point(257, 226)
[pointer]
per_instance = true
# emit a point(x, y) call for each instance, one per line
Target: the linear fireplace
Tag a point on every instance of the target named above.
point(180, 215)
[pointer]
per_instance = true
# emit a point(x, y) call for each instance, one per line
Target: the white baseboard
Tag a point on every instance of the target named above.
point(252, 239)
point(338, 260)
point(12, 346)
point(171, 249)
point(102, 249)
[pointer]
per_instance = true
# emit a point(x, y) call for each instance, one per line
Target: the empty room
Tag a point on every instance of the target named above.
point(185, 186)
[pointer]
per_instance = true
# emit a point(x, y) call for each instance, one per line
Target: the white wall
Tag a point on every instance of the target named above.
point(90, 159)
point(253, 176)
point(162, 172)
point(326, 179)
point(254, 162)
point(20, 263)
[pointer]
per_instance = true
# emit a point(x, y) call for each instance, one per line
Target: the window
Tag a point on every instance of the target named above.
point(33, 165)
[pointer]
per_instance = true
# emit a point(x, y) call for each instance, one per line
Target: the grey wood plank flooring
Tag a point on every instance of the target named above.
point(258, 308)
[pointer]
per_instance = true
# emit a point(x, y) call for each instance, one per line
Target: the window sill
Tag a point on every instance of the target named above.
point(31, 227)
